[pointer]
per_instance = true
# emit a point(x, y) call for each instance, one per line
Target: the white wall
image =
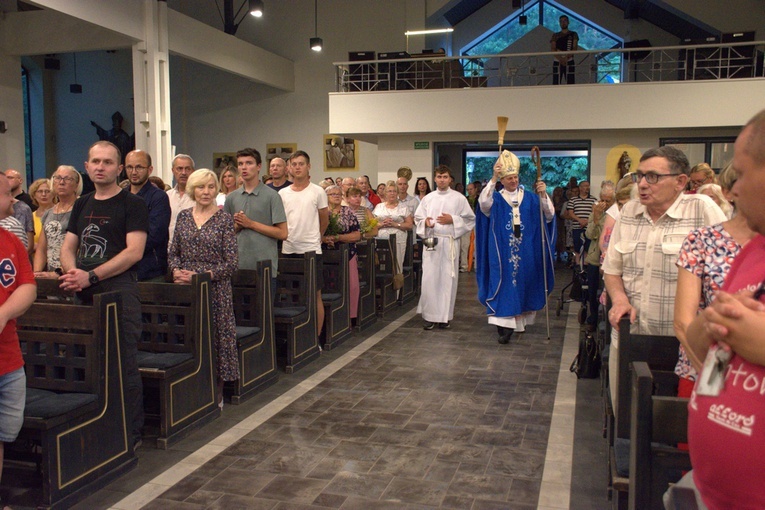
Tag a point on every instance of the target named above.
point(300, 117)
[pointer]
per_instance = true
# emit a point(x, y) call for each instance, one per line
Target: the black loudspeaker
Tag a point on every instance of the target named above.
point(361, 76)
point(392, 76)
point(700, 63)
point(516, 4)
point(738, 61)
point(637, 55)
point(52, 64)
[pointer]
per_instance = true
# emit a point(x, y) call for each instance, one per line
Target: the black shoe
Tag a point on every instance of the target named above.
point(504, 334)
point(428, 325)
point(444, 325)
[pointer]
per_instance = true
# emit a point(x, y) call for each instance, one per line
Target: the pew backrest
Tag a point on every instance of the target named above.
point(171, 315)
point(659, 352)
point(63, 344)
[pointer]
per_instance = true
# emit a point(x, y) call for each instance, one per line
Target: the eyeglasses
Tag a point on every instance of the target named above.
point(697, 184)
point(650, 177)
point(137, 167)
point(334, 194)
point(67, 180)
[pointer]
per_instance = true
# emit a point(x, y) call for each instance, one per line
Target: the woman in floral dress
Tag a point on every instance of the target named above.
point(705, 259)
point(204, 241)
point(346, 230)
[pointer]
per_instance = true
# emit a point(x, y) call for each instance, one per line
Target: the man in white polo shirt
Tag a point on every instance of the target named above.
point(307, 212)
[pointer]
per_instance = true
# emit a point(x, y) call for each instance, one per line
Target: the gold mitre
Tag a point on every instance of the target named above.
point(405, 172)
point(510, 164)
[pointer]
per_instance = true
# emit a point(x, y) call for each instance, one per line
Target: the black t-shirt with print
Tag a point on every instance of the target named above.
point(102, 226)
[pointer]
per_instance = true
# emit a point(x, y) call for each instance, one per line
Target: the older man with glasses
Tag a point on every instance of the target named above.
point(640, 271)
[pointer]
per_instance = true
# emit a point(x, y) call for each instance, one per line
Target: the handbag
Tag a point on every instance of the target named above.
point(586, 364)
point(398, 281)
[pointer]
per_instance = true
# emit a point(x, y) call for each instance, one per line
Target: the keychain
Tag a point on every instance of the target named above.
point(712, 378)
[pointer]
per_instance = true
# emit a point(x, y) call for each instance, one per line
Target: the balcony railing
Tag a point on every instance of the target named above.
point(669, 63)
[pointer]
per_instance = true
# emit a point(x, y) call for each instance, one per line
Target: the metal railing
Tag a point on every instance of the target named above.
point(669, 63)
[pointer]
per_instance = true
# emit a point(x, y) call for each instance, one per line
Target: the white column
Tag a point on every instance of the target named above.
point(12, 113)
point(151, 86)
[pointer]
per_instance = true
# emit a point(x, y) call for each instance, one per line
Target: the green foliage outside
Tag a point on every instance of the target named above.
point(556, 171)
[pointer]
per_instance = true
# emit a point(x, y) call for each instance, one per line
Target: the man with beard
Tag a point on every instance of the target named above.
point(138, 168)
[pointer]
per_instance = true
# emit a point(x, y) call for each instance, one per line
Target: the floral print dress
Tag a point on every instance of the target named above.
point(707, 253)
point(212, 247)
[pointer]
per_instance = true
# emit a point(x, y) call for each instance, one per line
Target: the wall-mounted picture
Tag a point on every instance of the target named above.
point(340, 153)
point(221, 160)
point(279, 150)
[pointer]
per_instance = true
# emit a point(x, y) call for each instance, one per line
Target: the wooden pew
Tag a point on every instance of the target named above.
point(660, 353)
point(385, 263)
point(658, 423)
point(253, 307)
point(75, 426)
point(336, 296)
point(365, 255)
point(409, 290)
point(295, 312)
point(176, 357)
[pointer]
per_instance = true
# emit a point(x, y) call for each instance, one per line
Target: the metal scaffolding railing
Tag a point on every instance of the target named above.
point(611, 66)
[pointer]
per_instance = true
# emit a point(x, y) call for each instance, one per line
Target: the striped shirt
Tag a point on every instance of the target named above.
point(644, 253)
point(15, 227)
point(581, 207)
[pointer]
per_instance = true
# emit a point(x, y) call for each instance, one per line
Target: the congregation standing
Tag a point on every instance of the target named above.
point(666, 244)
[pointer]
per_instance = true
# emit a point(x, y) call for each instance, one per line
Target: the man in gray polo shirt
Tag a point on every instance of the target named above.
point(259, 218)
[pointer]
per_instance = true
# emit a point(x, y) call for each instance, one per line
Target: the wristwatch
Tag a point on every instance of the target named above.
point(92, 277)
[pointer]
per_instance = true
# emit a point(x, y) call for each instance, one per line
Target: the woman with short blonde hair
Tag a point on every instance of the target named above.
point(394, 218)
point(42, 195)
point(204, 242)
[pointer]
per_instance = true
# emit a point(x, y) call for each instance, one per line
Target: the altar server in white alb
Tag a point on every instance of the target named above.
point(446, 215)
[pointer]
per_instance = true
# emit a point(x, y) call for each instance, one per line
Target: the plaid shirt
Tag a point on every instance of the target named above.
point(644, 253)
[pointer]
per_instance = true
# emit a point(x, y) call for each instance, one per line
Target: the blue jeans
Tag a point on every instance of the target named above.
point(13, 394)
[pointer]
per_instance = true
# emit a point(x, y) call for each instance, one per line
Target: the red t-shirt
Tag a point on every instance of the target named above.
point(15, 270)
point(373, 198)
point(726, 433)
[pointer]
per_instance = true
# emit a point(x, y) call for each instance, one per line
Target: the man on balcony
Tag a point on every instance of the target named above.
point(564, 41)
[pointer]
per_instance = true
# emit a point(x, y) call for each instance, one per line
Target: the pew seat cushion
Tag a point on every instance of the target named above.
point(288, 312)
point(44, 404)
point(363, 285)
point(622, 456)
point(245, 331)
point(161, 360)
point(331, 296)
point(407, 269)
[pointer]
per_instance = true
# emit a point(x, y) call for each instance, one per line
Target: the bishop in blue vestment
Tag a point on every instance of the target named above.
point(508, 249)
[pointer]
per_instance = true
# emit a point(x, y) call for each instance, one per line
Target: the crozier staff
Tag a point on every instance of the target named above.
point(509, 253)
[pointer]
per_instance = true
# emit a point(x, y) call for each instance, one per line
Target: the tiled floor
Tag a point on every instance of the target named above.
point(398, 418)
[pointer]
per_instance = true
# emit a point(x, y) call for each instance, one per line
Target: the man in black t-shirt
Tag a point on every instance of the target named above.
point(564, 41)
point(104, 241)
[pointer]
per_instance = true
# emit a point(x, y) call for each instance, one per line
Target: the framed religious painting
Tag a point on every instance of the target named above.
point(340, 153)
point(279, 150)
